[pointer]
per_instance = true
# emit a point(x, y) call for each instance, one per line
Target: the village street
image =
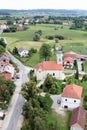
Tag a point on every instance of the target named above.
point(17, 102)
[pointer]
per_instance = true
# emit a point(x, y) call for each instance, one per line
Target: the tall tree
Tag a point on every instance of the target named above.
point(45, 51)
point(2, 42)
point(29, 90)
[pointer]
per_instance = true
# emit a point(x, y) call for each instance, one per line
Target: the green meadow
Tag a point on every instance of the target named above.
point(74, 40)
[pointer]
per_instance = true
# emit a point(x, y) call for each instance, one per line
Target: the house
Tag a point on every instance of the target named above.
point(6, 75)
point(73, 55)
point(5, 57)
point(3, 26)
point(78, 118)
point(23, 52)
point(68, 62)
point(54, 68)
point(20, 27)
point(71, 96)
point(7, 67)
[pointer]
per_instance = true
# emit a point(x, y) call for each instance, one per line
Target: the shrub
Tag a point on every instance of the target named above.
point(59, 37)
point(50, 37)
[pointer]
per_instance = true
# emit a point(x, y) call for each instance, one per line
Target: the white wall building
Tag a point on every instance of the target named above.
point(71, 96)
point(7, 67)
point(55, 68)
point(23, 52)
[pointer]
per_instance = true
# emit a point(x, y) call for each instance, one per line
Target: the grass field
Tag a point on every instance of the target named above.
point(62, 122)
point(75, 40)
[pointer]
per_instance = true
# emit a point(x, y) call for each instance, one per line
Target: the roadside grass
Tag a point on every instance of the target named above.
point(85, 66)
point(62, 122)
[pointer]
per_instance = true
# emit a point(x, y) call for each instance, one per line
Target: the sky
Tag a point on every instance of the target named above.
point(43, 4)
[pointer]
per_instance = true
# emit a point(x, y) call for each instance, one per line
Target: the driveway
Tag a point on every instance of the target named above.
point(57, 106)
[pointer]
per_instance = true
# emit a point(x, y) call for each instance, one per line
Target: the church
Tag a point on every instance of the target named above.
point(54, 68)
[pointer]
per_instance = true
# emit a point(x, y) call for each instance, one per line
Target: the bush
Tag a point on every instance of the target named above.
point(59, 37)
point(50, 37)
point(45, 102)
point(36, 37)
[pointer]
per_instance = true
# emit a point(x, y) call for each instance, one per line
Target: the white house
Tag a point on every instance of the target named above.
point(7, 67)
point(23, 52)
point(55, 68)
point(78, 118)
point(68, 62)
point(71, 96)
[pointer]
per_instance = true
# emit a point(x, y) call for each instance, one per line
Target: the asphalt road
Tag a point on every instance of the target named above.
point(17, 102)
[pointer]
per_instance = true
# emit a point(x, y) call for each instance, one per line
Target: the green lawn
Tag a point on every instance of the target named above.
point(75, 40)
point(62, 122)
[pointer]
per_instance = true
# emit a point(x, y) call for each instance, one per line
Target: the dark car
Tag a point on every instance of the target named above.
point(17, 76)
point(58, 101)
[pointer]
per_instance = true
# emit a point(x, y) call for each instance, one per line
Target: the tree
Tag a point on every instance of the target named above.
point(48, 82)
point(15, 50)
point(2, 49)
point(36, 37)
point(39, 123)
point(78, 23)
point(45, 51)
point(2, 42)
point(29, 90)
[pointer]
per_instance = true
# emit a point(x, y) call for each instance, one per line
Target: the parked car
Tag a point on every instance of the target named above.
point(17, 76)
point(59, 101)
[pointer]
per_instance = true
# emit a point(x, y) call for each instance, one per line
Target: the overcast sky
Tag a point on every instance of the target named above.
point(43, 4)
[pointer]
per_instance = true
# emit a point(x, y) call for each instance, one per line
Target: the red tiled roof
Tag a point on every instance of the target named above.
point(72, 55)
point(48, 65)
point(5, 54)
point(72, 91)
point(7, 75)
point(68, 59)
point(78, 117)
point(5, 63)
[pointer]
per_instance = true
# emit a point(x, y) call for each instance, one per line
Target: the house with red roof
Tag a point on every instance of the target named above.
point(54, 68)
point(7, 67)
point(71, 96)
point(6, 75)
point(73, 55)
point(78, 119)
point(68, 62)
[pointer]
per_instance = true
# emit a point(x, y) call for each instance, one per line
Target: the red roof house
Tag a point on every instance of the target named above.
point(6, 75)
point(68, 62)
point(49, 65)
point(78, 118)
point(71, 96)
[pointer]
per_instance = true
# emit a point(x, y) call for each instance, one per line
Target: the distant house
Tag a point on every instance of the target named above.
point(3, 26)
point(71, 96)
point(23, 52)
point(73, 55)
point(20, 27)
point(54, 68)
point(78, 119)
point(68, 62)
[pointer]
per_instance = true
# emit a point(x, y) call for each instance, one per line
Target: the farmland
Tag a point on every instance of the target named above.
point(74, 40)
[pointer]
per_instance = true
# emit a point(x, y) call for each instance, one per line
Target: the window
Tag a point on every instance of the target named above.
point(65, 99)
point(74, 100)
point(53, 74)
